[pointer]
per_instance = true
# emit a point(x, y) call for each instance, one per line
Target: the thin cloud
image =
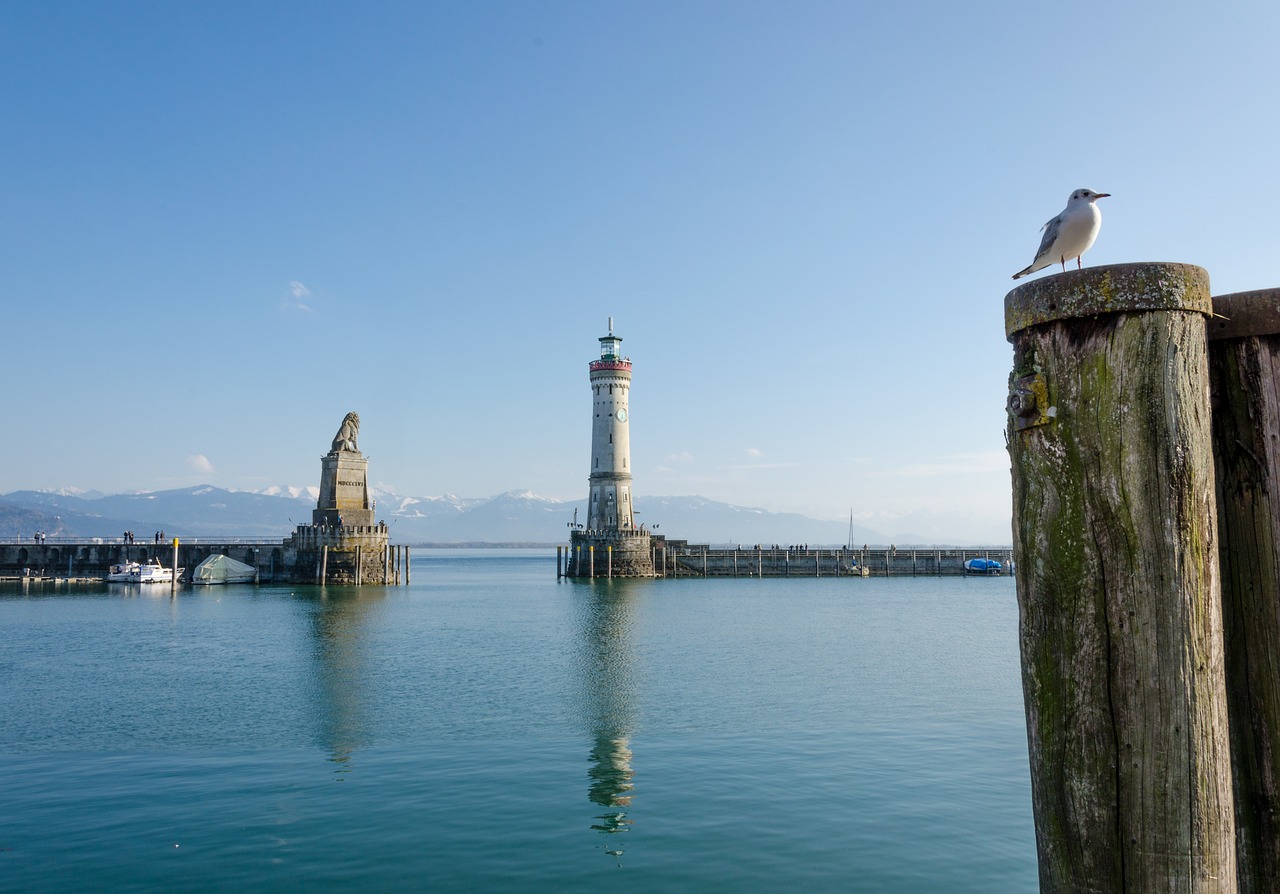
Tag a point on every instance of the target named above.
point(968, 464)
point(298, 295)
point(200, 463)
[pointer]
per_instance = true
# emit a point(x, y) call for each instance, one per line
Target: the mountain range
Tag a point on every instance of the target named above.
point(515, 517)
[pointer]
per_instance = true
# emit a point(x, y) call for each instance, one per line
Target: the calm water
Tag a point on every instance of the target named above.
point(490, 728)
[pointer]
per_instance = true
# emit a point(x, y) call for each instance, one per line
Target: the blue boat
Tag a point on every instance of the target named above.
point(982, 566)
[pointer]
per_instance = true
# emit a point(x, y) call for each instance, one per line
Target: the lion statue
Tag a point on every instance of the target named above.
point(345, 439)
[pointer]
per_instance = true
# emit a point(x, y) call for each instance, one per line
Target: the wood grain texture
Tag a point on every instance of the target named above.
point(1117, 569)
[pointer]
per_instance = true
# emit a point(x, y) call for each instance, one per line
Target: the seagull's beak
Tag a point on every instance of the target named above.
point(1103, 195)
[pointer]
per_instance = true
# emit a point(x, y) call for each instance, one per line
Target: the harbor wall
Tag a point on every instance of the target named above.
point(350, 555)
point(678, 558)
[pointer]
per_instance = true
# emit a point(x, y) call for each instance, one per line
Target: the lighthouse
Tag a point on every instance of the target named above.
point(610, 544)
point(609, 500)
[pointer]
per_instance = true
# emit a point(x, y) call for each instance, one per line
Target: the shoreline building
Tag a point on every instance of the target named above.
point(610, 544)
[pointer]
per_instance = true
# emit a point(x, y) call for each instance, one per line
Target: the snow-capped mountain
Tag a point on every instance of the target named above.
point(513, 517)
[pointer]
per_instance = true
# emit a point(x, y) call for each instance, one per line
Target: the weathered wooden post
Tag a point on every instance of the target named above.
point(1244, 367)
point(1115, 542)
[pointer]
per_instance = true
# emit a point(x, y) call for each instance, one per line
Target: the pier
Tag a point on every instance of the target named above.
point(678, 558)
point(314, 554)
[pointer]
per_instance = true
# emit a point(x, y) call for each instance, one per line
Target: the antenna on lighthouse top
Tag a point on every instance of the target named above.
point(611, 325)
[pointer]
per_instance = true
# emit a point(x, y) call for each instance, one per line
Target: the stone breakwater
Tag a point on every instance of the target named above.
point(678, 558)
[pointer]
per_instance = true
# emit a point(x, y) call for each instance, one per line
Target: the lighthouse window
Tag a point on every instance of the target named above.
point(611, 389)
point(610, 439)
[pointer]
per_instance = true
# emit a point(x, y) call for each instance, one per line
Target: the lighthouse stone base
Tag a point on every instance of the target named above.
point(610, 553)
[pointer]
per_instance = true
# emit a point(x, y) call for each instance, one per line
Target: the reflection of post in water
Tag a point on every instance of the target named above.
point(608, 680)
point(337, 616)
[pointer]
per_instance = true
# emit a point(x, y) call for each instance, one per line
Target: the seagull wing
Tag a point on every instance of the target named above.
point(1051, 229)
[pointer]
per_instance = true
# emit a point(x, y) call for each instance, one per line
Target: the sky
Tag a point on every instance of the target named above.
point(226, 225)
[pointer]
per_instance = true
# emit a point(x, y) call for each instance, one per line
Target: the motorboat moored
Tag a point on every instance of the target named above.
point(151, 572)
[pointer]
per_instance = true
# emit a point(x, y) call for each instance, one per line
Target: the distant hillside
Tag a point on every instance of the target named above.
point(513, 517)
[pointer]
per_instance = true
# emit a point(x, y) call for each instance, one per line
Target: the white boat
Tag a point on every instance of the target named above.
point(139, 573)
point(218, 569)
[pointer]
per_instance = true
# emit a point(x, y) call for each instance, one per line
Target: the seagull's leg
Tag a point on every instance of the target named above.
point(1078, 265)
point(1063, 260)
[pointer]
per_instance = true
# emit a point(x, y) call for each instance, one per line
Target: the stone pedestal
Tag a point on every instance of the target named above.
point(349, 555)
point(606, 553)
point(344, 491)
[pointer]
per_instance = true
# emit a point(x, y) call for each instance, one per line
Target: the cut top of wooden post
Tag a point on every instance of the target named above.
point(1116, 288)
point(1242, 314)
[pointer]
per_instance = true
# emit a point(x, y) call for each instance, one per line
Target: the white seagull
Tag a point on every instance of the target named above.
point(1070, 234)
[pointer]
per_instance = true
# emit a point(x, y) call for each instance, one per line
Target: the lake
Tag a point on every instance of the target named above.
point(490, 728)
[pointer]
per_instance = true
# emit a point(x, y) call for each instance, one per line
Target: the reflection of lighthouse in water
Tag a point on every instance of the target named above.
point(608, 682)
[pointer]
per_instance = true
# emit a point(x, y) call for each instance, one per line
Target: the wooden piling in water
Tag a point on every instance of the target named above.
point(1244, 367)
point(1118, 585)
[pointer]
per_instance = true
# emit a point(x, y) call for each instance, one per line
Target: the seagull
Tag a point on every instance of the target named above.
point(1070, 234)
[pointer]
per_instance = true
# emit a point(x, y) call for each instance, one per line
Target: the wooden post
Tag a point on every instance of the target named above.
point(1117, 573)
point(1244, 369)
point(609, 561)
point(324, 564)
point(359, 565)
point(173, 585)
point(591, 551)
point(407, 565)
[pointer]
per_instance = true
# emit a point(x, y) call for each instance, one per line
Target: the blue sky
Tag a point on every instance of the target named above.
point(225, 225)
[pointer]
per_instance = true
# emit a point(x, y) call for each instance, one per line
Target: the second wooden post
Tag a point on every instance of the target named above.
point(1244, 354)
